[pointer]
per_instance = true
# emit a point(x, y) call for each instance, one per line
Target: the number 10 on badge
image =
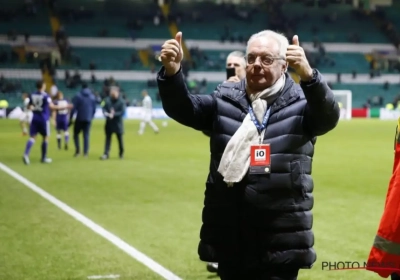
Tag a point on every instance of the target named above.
point(260, 159)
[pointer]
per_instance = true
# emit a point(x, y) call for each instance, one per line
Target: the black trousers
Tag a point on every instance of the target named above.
point(108, 143)
point(82, 126)
point(228, 271)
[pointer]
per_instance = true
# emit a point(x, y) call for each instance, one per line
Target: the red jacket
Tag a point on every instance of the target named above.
point(384, 257)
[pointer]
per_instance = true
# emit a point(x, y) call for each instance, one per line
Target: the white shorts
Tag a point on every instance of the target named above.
point(26, 117)
point(147, 117)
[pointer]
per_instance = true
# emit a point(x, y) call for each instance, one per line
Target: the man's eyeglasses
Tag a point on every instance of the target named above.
point(265, 59)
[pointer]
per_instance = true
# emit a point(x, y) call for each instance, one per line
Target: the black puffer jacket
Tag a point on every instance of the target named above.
point(265, 219)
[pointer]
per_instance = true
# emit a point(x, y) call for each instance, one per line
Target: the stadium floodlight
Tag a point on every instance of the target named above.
point(343, 97)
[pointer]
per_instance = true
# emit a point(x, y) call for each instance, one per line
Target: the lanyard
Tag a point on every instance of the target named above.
point(260, 127)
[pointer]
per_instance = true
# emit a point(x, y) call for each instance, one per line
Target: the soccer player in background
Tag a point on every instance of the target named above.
point(61, 118)
point(26, 114)
point(41, 105)
point(147, 114)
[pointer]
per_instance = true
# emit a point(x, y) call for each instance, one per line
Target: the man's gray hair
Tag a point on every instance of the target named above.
point(237, 54)
point(114, 88)
point(283, 42)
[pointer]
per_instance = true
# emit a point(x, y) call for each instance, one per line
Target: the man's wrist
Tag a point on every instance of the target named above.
point(309, 77)
point(171, 71)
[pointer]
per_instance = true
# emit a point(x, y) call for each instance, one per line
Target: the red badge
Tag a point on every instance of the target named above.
point(260, 159)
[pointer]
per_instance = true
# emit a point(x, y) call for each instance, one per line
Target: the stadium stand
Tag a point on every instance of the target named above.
point(18, 17)
point(392, 13)
point(133, 21)
point(307, 22)
point(206, 60)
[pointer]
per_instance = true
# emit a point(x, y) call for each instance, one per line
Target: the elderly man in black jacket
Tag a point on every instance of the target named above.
point(114, 110)
point(257, 220)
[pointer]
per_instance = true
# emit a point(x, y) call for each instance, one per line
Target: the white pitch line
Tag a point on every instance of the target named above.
point(134, 253)
point(111, 276)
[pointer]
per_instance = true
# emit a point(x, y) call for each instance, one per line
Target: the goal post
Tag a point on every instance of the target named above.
point(344, 98)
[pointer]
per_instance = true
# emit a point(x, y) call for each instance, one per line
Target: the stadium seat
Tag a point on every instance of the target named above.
point(104, 58)
point(338, 30)
point(113, 17)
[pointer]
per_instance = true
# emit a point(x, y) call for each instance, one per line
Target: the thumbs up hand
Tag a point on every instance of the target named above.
point(172, 54)
point(296, 58)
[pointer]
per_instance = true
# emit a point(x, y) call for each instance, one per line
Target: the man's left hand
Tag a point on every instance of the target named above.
point(296, 58)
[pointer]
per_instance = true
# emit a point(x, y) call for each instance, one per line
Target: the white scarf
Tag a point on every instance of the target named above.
point(236, 158)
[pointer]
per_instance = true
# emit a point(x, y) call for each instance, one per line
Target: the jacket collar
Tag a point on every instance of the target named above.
point(288, 95)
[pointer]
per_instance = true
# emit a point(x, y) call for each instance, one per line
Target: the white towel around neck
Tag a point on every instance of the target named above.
point(235, 161)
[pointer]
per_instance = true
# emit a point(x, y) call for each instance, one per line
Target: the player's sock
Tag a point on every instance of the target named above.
point(154, 127)
point(66, 140)
point(59, 141)
point(141, 128)
point(29, 145)
point(44, 150)
point(24, 130)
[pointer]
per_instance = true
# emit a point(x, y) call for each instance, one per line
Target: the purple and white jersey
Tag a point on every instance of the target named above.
point(40, 102)
point(62, 115)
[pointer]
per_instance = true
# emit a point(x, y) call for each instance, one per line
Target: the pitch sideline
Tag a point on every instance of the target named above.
point(131, 251)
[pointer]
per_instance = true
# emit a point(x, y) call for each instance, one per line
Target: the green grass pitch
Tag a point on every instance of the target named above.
point(153, 200)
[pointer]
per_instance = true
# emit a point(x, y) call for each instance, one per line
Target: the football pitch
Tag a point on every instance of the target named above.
point(152, 200)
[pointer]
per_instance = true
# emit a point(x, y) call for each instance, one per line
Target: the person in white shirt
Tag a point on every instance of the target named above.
point(147, 114)
point(26, 115)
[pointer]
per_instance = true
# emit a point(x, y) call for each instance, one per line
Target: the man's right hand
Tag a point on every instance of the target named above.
point(172, 55)
point(234, 79)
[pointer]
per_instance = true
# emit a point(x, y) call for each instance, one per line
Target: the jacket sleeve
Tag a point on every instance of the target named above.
point(94, 104)
point(322, 111)
point(74, 107)
point(195, 111)
point(121, 109)
point(106, 109)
